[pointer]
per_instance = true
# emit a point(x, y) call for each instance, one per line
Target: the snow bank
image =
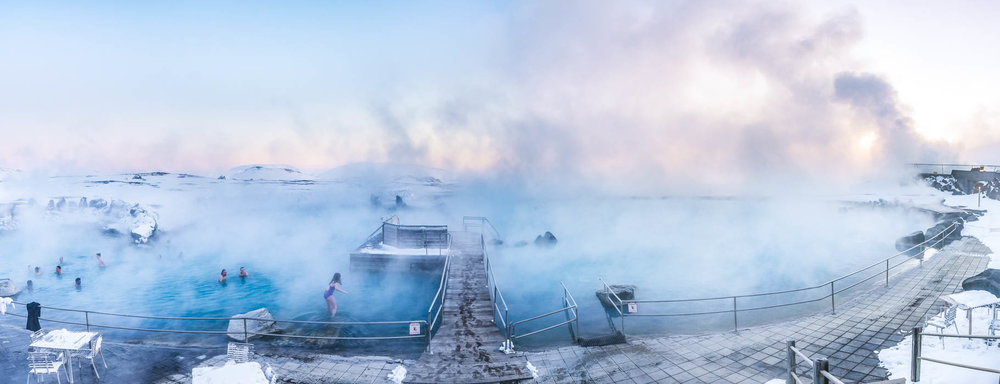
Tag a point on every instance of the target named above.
point(965, 351)
point(231, 373)
point(268, 172)
point(398, 374)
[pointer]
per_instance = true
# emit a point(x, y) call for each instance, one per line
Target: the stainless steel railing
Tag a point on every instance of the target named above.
point(916, 356)
point(496, 296)
point(480, 222)
point(89, 324)
point(434, 316)
point(830, 294)
point(570, 309)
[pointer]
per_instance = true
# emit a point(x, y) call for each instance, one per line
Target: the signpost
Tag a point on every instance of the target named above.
point(414, 328)
point(633, 308)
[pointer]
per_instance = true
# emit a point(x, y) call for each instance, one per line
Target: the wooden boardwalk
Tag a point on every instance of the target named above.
point(466, 348)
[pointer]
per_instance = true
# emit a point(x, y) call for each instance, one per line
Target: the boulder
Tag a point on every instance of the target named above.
point(546, 240)
point(8, 288)
point(623, 291)
point(943, 227)
point(907, 243)
point(988, 280)
point(262, 322)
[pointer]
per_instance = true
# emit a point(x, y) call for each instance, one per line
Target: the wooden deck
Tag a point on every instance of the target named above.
point(466, 348)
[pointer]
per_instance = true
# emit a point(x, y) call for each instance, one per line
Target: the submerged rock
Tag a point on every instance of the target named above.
point(988, 280)
point(623, 291)
point(546, 240)
point(8, 288)
point(262, 322)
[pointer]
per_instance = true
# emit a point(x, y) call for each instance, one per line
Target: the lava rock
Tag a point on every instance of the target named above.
point(546, 240)
point(988, 280)
point(262, 322)
point(623, 291)
point(614, 338)
point(940, 227)
point(8, 288)
point(907, 243)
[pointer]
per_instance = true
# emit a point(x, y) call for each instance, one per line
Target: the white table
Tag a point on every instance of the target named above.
point(66, 341)
point(969, 300)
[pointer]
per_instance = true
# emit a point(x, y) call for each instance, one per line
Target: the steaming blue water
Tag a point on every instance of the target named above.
point(292, 241)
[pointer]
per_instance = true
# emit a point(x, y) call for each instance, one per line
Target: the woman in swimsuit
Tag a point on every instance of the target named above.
point(331, 303)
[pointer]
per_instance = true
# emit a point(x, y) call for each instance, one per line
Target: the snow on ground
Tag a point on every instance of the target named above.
point(268, 172)
point(241, 373)
point(965, 351)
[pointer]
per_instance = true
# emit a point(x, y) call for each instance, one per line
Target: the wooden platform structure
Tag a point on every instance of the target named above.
point(466, 347)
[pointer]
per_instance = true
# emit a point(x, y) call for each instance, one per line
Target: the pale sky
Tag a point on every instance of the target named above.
point(648, 89)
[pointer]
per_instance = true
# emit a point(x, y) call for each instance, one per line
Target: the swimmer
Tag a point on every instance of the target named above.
point(77, 283)
point(100, 261)
point(38, 271)
point(61, 261)
point(59, 270)
point(222, 276)
point(243, 272)
point(31, 286)
point(331, 303)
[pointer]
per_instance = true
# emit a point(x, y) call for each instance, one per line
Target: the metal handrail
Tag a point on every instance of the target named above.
point(936, 239)
point(570, 308)
point(607, 289)
point(496, 296)
point(424, 328)
point(482, 223)
point(916, 352)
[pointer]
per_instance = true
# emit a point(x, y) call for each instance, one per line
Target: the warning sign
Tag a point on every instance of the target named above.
point(633, 308)
point(414, 328)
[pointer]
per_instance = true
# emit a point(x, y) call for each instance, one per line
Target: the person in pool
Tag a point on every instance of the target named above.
point(77, 284)
point(59, 270)
point(331, 303)
point(222, 276)
point(100, 261)
point(243, 272)
point(38, 271)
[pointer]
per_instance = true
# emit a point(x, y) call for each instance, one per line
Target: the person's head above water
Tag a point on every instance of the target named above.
point(336, 278)
point(77, 281)
point(223, 272)
point(38, 269)
point(30, 284)
point(59, 269)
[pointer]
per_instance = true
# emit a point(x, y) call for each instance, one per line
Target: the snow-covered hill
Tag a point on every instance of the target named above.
point(268, 172)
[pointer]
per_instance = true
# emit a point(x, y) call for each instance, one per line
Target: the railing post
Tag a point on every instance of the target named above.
point(736, 324)
point(833, 300)
point(791, 362)
point(886, 272)
point(821, 365)
point(915, 355)
point(86, 316)
point(246, 332)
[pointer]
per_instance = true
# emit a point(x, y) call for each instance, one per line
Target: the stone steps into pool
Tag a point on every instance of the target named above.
point(466, 348)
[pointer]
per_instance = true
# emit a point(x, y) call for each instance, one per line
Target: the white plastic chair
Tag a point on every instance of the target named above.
point(945, 320)
point(43, 363)
point(91, 354)
point(994, 323)
point(239, 352)
point(36, 335)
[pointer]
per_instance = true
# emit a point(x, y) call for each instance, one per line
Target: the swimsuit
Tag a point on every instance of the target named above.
point(328, 292)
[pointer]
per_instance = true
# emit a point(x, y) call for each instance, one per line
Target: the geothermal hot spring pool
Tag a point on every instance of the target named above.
point(292, 237)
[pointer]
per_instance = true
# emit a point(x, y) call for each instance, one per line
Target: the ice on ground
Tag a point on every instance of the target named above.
point(775, 381)
point(234, 373)
point(533, 370)
point(4, 302)
point(965, 351)
point(971, 299)
point(398, 374)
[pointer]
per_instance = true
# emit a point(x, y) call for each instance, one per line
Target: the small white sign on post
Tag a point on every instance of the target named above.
point(414, 328)
point(633, 308)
